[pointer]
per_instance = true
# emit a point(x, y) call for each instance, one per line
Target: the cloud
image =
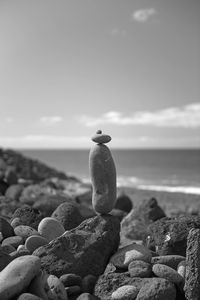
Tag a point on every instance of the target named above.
point(50, 120)
point(143, 15)
point(187, 116)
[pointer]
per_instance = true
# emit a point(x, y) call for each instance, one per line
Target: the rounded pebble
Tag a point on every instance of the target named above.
point(25, 231)
point(8, 248)
point(16, 222)
point(124, 256)
point(50, 228)
point(71, 279)
point(35, 241)
point(181, 269)
point(88, 283)
point(57, 289)
point(101, 138)
point(5, 228)
point(28, 296)
point(168, 260)
point(125, 292)
point(14, 241)
point(17, 275)
point(139, 268)
point(168, 273)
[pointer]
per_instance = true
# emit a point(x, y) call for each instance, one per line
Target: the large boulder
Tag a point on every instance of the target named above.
point(83, 250)
point(169, 235)
point(135, 224)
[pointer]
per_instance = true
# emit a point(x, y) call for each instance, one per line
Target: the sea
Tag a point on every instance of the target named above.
point(176, 171)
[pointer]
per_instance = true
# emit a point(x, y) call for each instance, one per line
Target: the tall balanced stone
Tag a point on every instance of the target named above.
point(192, 276)
point(103, 174)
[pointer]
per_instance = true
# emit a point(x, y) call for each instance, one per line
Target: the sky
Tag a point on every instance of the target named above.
point(128, 67)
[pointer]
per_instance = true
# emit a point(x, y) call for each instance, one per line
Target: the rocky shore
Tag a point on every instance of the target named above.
point(53, 245)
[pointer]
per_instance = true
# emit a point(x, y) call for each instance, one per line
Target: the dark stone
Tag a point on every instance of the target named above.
point(68, 215)
point(5, 228)
point(3, 186)
point(135, 224)
point(192, 276)
point(88, 283)
point(169, 235)
point(71, 279)
point(28, 216)
point(120, 214)
point(124, 203)
point(5, 259)
point(83, 250)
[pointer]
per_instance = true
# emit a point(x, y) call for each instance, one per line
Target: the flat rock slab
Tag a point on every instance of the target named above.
point(83, 250)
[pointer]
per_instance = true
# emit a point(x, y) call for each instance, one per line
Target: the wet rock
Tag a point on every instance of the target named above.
point(27, 216)
point(68, 215)
point(135, 224)
point(192, 275)
point(170, 234)
point(83, 250)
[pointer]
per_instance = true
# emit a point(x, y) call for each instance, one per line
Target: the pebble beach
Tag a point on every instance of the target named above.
point(57, 241)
